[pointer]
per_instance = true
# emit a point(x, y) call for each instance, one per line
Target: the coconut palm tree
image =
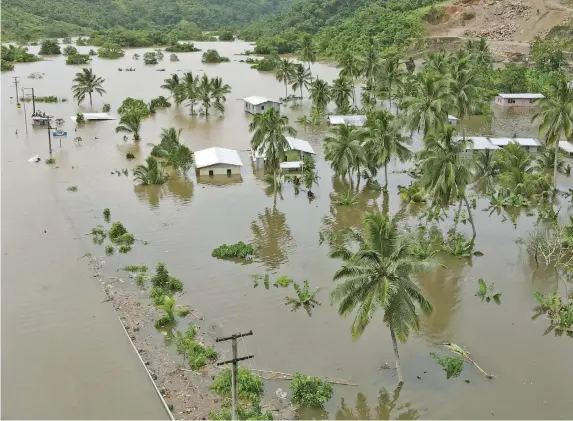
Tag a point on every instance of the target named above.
point(152, 173)
point(464, 87)
point(206, 95)
point(480, 53)
point(307, 51)
point(178, 156)
point(173, 85)
point(383, 140)
point(344, 150)
point(427, 109)
point(555, 117)
point(130, 123)
point(378, 277)
point(86, 82)
point(269, 136)
point(320, 94)
point(487, 168)
point(391, 78)
point(349, 69)
point(438, 62)
point(189, 89)
point(341, 92)
point(284, 72)
point(301, 78)
point(220, 89)
point(370, 66)
point(445, 173)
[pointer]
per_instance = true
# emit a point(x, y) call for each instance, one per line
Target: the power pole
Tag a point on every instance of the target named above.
point(235, 362)
point(50, 136)
point(16, 83)
point(33, 100)
point(25, 116)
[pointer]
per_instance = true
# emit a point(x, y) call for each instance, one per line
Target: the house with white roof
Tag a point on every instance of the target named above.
point(566, 147)
point(217, 161)
point(94, 116)
point(258, 104)
point(517, 100)
point(452, 120)
point(301, 147)
point(349, 120)
point(480, 143)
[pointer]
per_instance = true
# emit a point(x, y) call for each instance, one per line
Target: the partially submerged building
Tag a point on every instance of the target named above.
point(480, 143)
point(517, 100)
point(301, 147)
point(566, 147)
point(349, 120)
point(452, 120)
point(258, 104)
point(217, 161)
point(94, 116)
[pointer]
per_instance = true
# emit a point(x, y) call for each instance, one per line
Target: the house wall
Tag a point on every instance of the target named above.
point(219, 169)
point(261, 108)
point(505, 102)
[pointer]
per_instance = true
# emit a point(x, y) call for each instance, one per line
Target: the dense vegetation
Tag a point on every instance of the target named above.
point(28, 20)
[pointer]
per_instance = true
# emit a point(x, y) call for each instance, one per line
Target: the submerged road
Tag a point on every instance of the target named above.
point(65, 354)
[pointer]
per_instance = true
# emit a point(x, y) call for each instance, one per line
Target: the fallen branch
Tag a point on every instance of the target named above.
point(459, 351)
point(277, 375)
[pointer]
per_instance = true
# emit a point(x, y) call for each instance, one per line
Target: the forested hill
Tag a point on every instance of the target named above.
point(51, 18)
point(341, 24)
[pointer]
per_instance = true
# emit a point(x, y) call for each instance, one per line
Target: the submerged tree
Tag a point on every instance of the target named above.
point(178, 156)
point(320, 94)
point(86, 82)
point(344, 150)
point(307, 51)
point(130, 123)
point(284, 72)
point(152, 173)
point(377, 277)
point(301, 78)
point(350, 69)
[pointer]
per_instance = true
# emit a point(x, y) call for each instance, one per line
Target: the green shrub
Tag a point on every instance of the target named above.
point(283, 281)
point(124, 248)
point(50, 47)
point(129, 155)
point(106, 214)
point(109, 250)
point(249, 386)
point(182, 48)
point(50, 161)
point(106, 108)
point(310, 391)
point(212, 56)
point(110, 51)
point(72, 188)
point(226, 36)
point(452, 365)
point(163, 284)
point(239, 250)
point(197, 354)
point(132, 268)
point(70, 50)
point(253, 412)
point(78, 59)
point(80, 118)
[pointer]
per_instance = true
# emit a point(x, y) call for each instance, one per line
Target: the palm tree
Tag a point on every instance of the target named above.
point(189, 90)
point(320, 94)
point(206, 95)
point(392, 77)
point(178, 156)
point(307, 51)
point(428, 108)
point(270, 131)
point(370, 66)
point(438, 62)
point(555, 116)
point(350, 69)
point(445, 173)
point(465, 89)
point(487, 168)
point(383, 140)
point(130, 123)
point(173, 85)
point(220, 89)
point(378, 277)
point(284, 72)
point(152, 173)
point(341, 91)
point(272, 237)
point(480, 53)
point(344, 150)
point(301, 78)
point(86, 82)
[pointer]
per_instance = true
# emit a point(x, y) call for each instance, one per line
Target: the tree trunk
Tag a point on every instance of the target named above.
point(555, 167)
point(397, 355)
point(275, 188)
point(286, 88)
point(471, 218)
point(301, 92)
point(386, 177)
point(358, 182)
point(90, 98)
point(459, 210)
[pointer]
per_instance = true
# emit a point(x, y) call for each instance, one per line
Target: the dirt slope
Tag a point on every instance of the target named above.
point(509, 24)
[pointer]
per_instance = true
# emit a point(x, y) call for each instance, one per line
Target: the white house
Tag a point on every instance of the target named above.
point(480, 143)
point(258, 104)
point(302, 147)
point(95, 116)
point(349, 120)
point(566, 147)
point(218, 161)
point(452, 120)
point(517, 100)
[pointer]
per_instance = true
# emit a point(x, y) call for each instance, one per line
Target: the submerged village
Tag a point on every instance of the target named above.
point(363, 238)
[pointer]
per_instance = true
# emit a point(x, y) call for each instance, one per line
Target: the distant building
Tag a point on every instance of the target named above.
point(258, 104)
point(566, 147)
point(94, 116)
point(480, 143)
point(349, 120)
point(217, 161)
point(301, 147)
point(517, 100)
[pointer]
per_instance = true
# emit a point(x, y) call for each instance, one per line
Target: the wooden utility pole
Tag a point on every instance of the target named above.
point(25, 116)
point(50, 136)
point(235, 362)
point(16, 84)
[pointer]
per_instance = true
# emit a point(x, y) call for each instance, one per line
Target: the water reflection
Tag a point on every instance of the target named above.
point(178, 187)
point(220, 180)
point(383, 411)
point(272, 237)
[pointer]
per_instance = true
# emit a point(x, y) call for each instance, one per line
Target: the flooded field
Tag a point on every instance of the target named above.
point(183, 221)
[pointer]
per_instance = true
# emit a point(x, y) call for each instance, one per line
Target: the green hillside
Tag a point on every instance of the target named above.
point(50, 18)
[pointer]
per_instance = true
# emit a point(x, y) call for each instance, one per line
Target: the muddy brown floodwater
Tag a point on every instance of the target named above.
point(45, 308)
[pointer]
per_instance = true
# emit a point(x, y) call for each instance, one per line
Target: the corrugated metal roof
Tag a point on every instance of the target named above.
point(566, 146)
point(523, 141)
point(257, 100)
point(522, 96)
point(479, 143)
point(95, 116)
point(293, 143)
point(350, 120)
point(213, 156)
point(291, 165)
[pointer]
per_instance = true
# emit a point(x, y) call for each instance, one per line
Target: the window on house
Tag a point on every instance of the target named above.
point(511, 101)
point(228, 172)
point(262, 107)
point(210, 173)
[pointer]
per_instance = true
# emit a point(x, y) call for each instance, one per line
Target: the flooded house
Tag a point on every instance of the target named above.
point(94, 117)
point(566, 147)
point(297, 150)
point(517, 100)
point(452, 120)
point(258, 104)
point(349, 120)
point(217, 161)
point(480, 143)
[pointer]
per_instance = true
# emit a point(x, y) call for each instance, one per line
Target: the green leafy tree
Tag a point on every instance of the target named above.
point(178, 156)
point(341, 92)
point(133, 106)
point(370, 66)
point(465, 88)
point(189, 89)
point(130, 123)
point(86, 82)
point(151, 173)
point(547, 53)
point(81, 59)
point(220, 90)
point(301, 78)
point(310, 391)
point(49, 47)
point(173, 85)
point(70, 50)
point(110, 50)
point(438, 63)
point(320, 94)
point(378, 277)
point(391, 78)
point(284, 72)
point(350, 69)
point(344, 150)
point(308, 51)
point(212, 56)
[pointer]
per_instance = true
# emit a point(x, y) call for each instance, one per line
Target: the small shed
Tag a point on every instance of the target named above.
point(349, 120)
point(258, 104)
point(517, 100)
point(566, 147)
point(452, 120)
point(526, 143)
point(94, 116)
point(218, 161)
point(302, 147)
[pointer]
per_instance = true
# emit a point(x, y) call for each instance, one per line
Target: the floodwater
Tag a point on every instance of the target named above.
point(185, 219)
